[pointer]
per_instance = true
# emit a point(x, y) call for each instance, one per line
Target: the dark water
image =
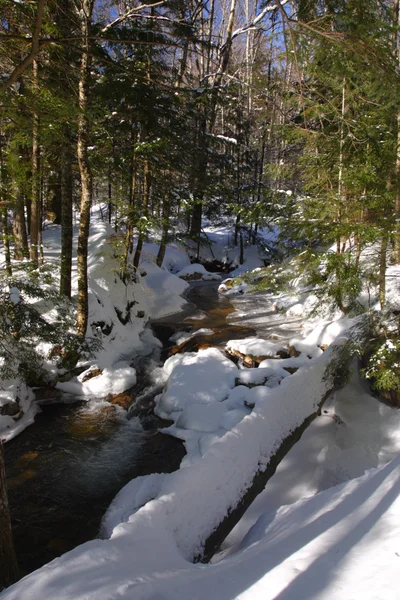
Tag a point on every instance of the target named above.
point(63, 471)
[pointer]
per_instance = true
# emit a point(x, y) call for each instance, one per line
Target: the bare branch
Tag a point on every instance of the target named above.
point(35, 49)
point(129, 14)
point(267, 9)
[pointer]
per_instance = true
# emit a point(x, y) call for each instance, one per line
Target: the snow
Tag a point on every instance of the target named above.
point(180, 337)
point(198, 270)
point(111, 381)
point(354, 433)
point(321, 529)
point(255, 347)
point(187, 374)
point(341, 543)
point(16, 393)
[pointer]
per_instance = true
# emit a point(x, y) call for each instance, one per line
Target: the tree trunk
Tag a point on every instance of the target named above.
point(109, 198)
point(237, 229)
point(4, 213)
point(382, 270)
point(6, 242)
point(8, 560)
point(66, 215)
point(85, 15)
point(396, 52)
point(164, 236)
point(146, 197)
point(35, 201)
point(131, 211)
point(21, 249)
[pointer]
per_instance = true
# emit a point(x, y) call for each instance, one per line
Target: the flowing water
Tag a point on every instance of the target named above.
point(64, 470)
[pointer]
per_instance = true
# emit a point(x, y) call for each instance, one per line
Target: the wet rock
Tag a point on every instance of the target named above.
point(105, 328)
point(249, 360)
point(94, 372)
point(11, 409)
point(390, 397)
point(250, 405)
point(124, 399)
point(293, 351)
point(238, 381)
point(192, 277)
point(47, 395)
point(291, 370)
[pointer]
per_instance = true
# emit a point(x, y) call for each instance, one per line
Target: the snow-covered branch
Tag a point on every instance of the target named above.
point(267, 9)
point(129, 14)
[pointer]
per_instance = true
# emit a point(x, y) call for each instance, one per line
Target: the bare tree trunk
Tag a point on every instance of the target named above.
point(4, 214)
point(237, 229)
point(6, 241)
point(396, 53)
point(66, 214)
point(146, 197)
point(164, 236)
point(35, 220)
point(382, 270)
point(131, 211)
point(85, 16)
point(21, 249)
point(8, 560)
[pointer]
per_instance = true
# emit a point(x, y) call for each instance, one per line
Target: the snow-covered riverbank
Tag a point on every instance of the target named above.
point(232, 422)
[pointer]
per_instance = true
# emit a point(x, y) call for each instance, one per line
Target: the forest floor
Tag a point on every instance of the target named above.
point(321, 528)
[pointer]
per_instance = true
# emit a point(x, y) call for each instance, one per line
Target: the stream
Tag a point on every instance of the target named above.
point(64, 470)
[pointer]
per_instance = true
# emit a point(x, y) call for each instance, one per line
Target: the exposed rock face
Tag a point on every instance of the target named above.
point(11, 409)
point(249, 360)
point(47, 395)
point(192, 277)
point(293, 351)
point(94, 372)
point(124, 399)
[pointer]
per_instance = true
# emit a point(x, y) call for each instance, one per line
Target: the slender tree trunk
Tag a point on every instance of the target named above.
point(237, 229)
point(66, 214)
point(131, 211)
point(396, 52)
point(6, 241)
point(146, 197)
point(35, 220)
point(109, 197)
point(41, 250)
point(4, 213)
point(382, 270)
point(21, 249)
point(85, 16)
point(164, 236)
point(8, 560)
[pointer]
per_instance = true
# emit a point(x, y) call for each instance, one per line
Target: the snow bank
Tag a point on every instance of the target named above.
point(112, 380)
point(341, 543)
point(15, 401)
point(191, 502)
point(200, 270)
point(195, 378)
point(255, 347)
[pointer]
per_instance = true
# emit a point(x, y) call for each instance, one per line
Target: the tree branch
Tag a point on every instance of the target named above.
point(130, 13)
point(258, 18)
point(35, 49)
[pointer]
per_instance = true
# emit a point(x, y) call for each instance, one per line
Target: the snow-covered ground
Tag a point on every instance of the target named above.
point(315, 532)
point(121, 309)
